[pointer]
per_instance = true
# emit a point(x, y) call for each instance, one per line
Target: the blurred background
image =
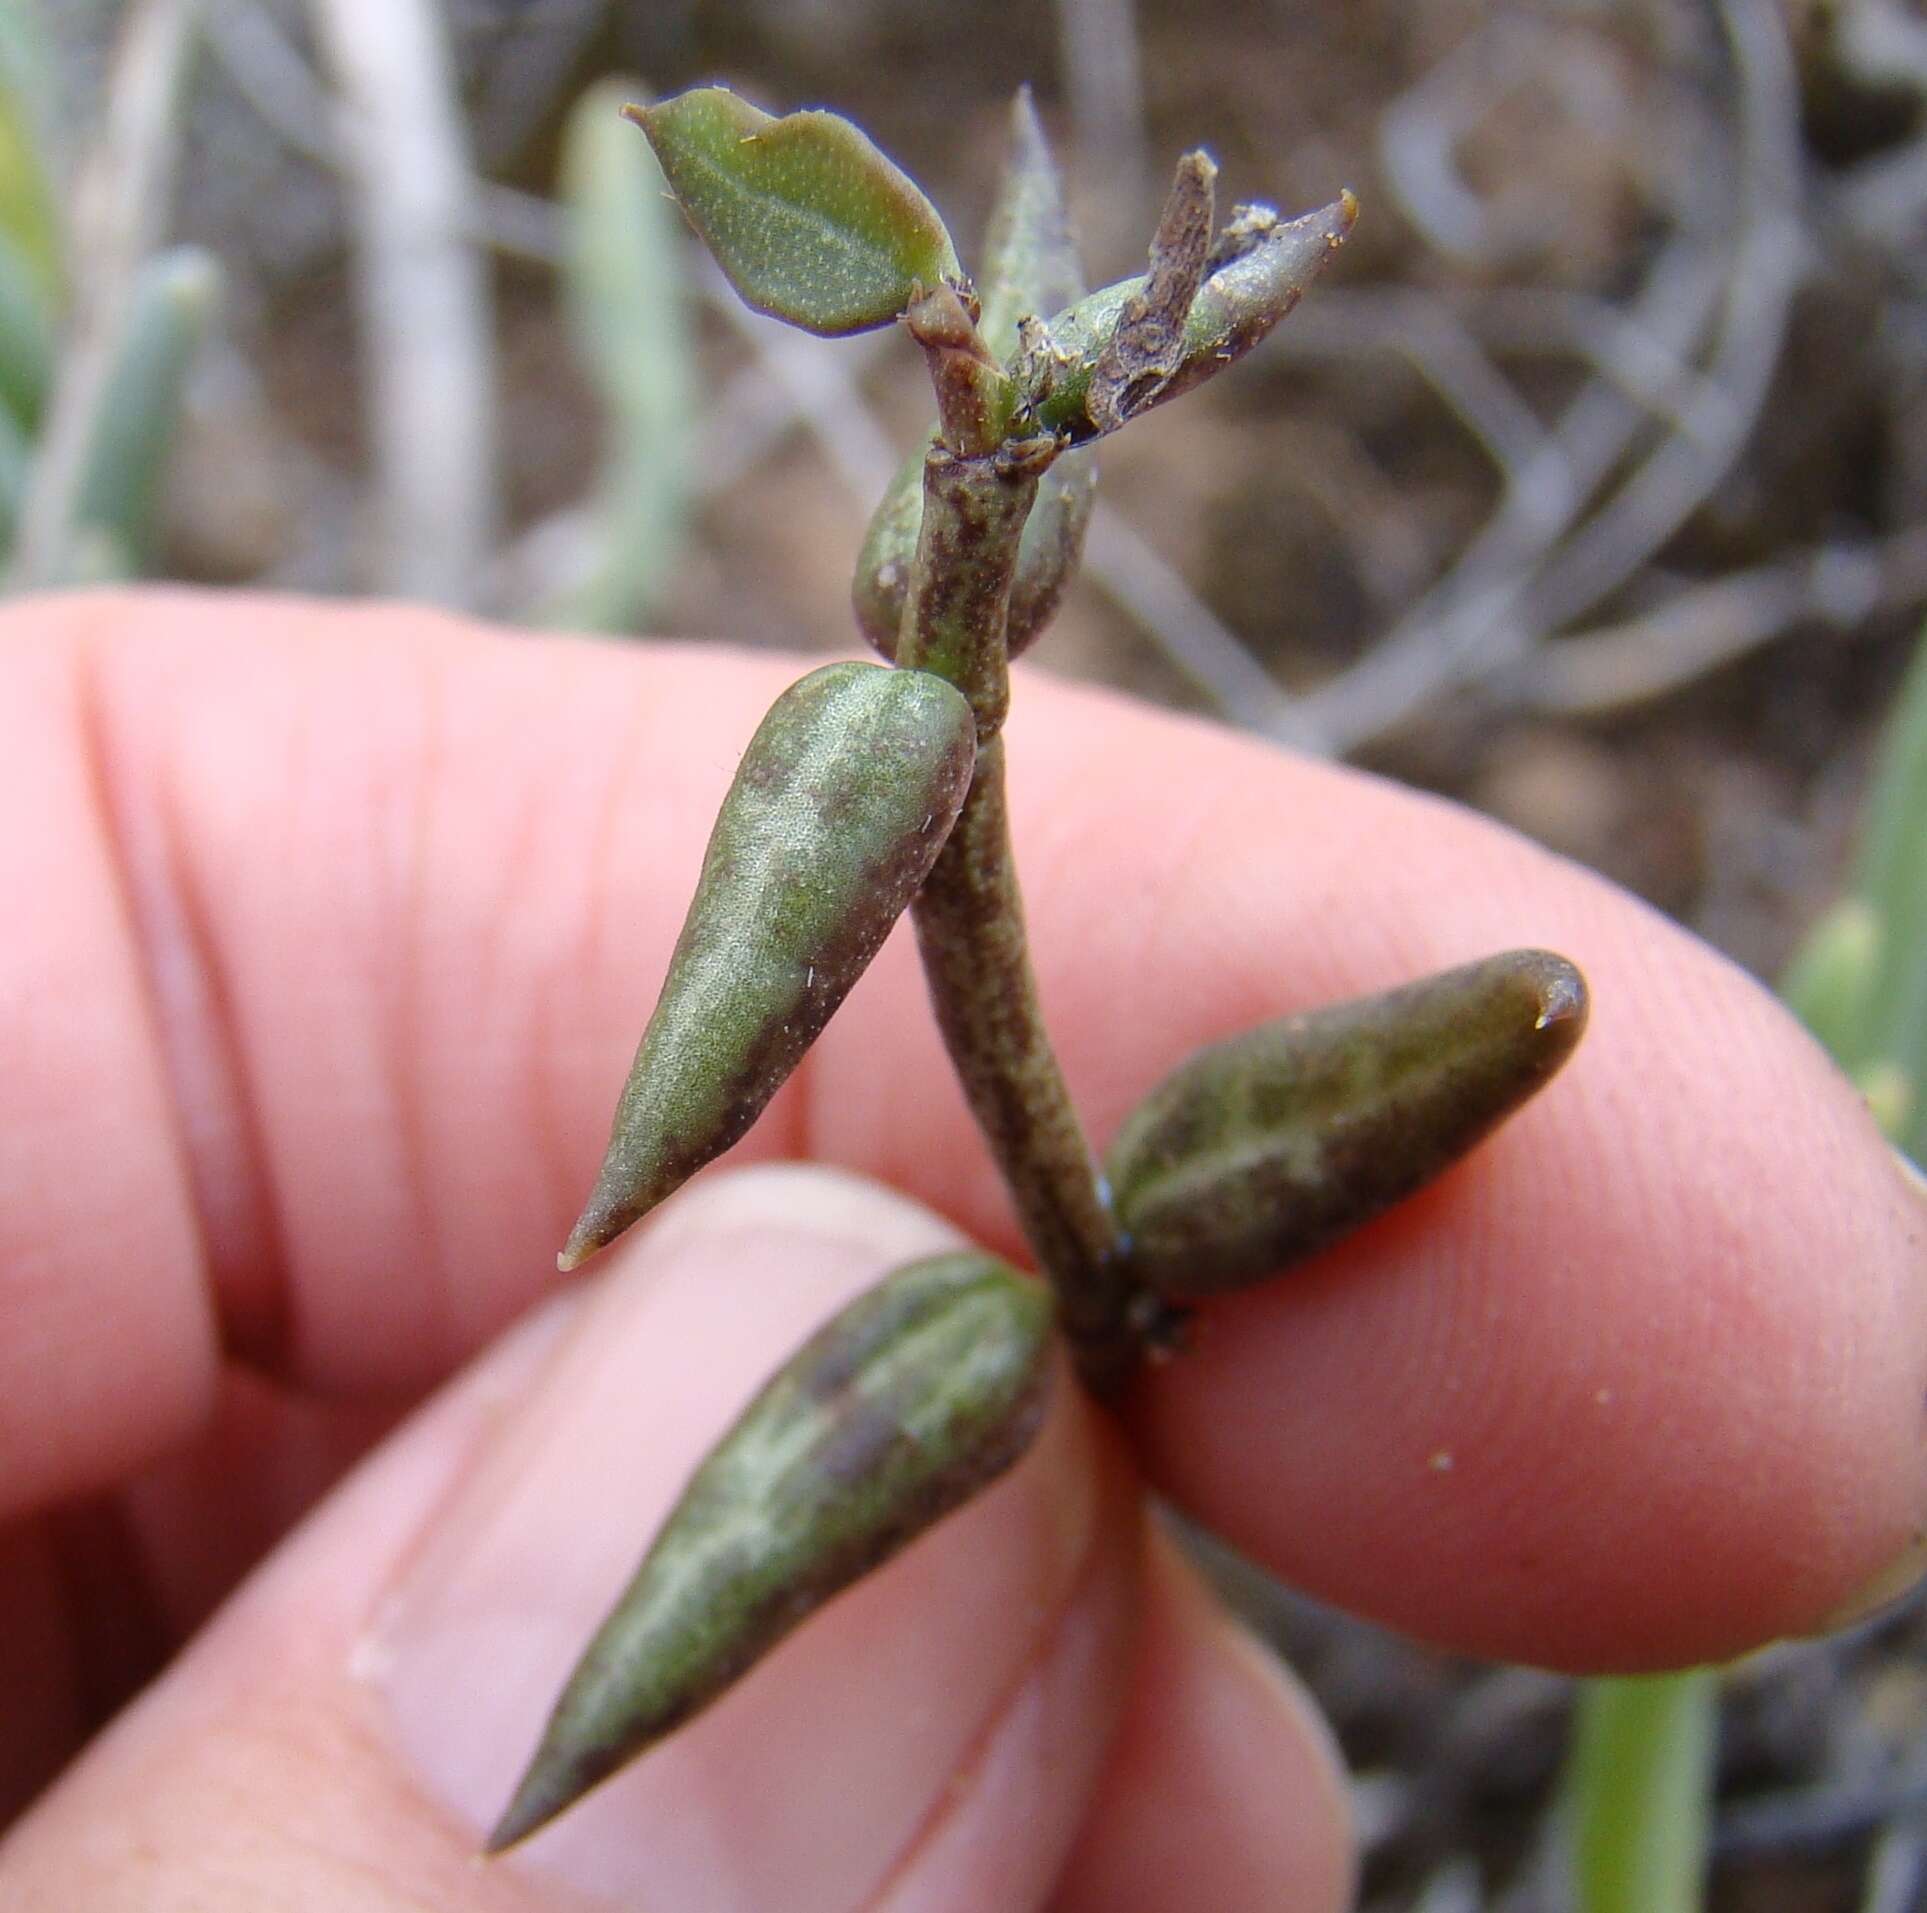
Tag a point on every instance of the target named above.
point(1590, 488)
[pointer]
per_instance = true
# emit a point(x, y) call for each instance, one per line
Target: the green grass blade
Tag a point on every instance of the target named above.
point(15, 454)
point(624, 284)
point(26, 336)
point(1892, 881)
point(1830, 983)
point(26, 59)
point(1639, 1792)
point(173, 306)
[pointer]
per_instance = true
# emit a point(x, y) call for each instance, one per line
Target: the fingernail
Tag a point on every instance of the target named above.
point(803, 1785)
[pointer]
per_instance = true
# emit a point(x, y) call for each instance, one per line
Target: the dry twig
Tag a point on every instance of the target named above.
point(1103, 73)
point(430, 402)
point(1704, 627)
point(1541, 560)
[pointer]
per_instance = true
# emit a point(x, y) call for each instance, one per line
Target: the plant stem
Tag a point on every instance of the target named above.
point(970, 915)
point(974, 393)
point(1638, 1791)
point(956, 612)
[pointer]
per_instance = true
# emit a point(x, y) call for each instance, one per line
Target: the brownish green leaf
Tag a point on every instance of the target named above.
point(810, 222)
point(1030, 263)
point(1030, 267)
point(1262, 1149)
point(1256, 273)
point(889, 550)
point(839, 808)
point(919, 1394)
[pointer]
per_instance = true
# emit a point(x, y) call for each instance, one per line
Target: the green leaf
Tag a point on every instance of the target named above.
point(1262, 1149)
point(1031, 268)
point(623, 281)
point(1830, 983)
point(1639, 1790)
point(809, 221)
point(839, 807)
point(175, 297)
point(919, 1394)
point(1259, 270)
point(27, 327)
point(889, 551)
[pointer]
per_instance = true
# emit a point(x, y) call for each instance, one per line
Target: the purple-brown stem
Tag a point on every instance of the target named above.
point(970, 915)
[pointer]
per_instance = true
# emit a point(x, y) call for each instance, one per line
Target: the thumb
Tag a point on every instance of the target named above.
point(345, 1731)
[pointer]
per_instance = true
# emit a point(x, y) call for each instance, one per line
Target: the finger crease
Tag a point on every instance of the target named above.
point(193, 1024)
point(976, 1756)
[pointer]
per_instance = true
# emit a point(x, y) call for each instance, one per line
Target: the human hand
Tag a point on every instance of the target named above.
point(332, 931)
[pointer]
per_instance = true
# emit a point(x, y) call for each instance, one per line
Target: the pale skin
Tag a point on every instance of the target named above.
point(330, 934)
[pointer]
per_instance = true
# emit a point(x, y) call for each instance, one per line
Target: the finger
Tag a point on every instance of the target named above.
point(347, 1728)
point(1665, 1331)
point(98, 1595)
point(1223, 1788)
point(1639, 1384)
point(99, 1252)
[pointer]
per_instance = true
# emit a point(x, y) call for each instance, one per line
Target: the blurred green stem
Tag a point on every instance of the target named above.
point(625, 292)
point(1892, 880)
point(1640, 1789)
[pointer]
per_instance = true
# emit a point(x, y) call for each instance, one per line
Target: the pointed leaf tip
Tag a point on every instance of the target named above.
point(1030, 262)
point(915, 1397)
point(1258, 269)
point(839, 808)
point(808, 220)
point(537, 1801)
point(1263, 1149)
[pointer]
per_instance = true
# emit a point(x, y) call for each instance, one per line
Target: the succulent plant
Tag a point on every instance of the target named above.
point(869, 791)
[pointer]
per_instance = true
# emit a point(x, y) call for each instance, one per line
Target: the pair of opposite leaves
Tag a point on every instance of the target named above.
point(1255, 1153)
